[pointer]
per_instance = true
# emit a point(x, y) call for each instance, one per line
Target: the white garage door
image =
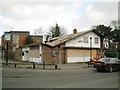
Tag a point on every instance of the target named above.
point(77, 55)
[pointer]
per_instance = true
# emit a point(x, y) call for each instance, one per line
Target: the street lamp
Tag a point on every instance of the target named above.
point(90, 48)
point(90, 63)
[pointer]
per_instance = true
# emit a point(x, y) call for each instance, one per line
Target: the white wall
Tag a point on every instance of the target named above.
point(35, 60)
point(32, 55)
point(35, 56)
point(26, 54)
point(75, 42)
point(78, 59)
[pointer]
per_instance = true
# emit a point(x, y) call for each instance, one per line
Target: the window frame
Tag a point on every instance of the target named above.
point(96, 42)
point(85, 39)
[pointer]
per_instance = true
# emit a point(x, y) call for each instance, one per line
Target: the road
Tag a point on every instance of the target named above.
point(65, 78)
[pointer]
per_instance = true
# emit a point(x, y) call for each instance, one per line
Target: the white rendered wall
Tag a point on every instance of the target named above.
point(78, 41)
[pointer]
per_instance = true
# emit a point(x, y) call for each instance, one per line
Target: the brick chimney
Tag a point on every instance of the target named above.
point(74, 31)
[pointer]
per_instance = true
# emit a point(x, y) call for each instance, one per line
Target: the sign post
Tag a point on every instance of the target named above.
point(7, 39)
point(6, 53)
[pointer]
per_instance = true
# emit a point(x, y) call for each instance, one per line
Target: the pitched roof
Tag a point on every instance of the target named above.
point(62, 39)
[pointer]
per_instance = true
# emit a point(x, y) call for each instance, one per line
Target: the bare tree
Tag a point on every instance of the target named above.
point(116, 24)
point(38, 31)
point(116, 30)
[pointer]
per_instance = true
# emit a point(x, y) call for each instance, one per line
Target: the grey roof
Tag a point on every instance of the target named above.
point(62, 39)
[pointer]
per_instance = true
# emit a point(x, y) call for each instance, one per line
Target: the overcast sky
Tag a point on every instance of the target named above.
point(28, 15)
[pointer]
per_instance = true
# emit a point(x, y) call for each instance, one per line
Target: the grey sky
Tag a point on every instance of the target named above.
point(81, 14)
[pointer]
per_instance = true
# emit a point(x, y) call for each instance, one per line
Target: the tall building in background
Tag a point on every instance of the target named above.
point(16, 39)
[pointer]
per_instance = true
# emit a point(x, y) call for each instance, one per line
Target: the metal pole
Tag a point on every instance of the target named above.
point(43, 65)
point(33, 65)
point(6, 52)
point(55, 66)
point(90, 48)
point(55, 59)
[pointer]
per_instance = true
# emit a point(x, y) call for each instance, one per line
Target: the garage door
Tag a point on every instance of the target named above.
point(76, 55)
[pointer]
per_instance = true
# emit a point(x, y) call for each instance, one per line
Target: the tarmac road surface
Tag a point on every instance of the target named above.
point(73, 77)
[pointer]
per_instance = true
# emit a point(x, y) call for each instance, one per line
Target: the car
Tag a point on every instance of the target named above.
point(109, 64)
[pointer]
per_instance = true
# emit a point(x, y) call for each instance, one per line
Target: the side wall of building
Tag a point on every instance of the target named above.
point(47, 54)
point(18, 54)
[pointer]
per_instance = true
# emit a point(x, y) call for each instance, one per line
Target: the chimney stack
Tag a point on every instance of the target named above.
point(74, 31)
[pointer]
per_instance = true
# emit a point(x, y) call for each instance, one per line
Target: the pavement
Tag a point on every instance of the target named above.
point(28, 65)
point(70, 76)
point(65, 69)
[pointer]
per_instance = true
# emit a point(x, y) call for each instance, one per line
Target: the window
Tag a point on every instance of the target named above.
point(113, 60)
point(54, 53)
point(85, 39)
point(22, 53)
point(58, 46)
point(96, 40)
